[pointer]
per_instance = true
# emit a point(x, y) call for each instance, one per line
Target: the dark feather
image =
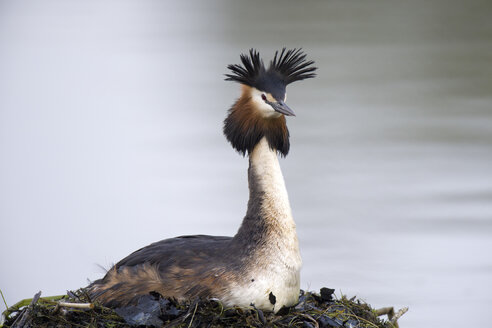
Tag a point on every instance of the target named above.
point(286, 67)
point(292, 65)
point(177, 249)
point(250, 71)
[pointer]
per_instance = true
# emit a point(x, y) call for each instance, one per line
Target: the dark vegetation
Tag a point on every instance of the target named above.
point(313, 310)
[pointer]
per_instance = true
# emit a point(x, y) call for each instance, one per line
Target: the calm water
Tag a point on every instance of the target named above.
point(110, 138)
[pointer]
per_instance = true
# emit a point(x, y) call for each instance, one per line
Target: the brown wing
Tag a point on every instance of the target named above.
point(170, 251)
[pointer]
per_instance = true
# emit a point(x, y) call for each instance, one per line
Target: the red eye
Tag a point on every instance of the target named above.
point(263, 96)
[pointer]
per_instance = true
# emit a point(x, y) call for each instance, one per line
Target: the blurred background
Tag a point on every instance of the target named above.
point(110, 138)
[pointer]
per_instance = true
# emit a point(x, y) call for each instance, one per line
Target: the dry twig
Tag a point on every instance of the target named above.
point(21, 320)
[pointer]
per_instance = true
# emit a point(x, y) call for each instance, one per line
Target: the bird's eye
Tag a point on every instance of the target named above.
point(263, 96)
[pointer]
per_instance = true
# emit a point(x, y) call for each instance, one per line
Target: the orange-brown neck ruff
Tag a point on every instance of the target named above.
point(245, 126)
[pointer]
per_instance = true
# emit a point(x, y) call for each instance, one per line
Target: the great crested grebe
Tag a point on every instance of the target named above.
point(260, 265)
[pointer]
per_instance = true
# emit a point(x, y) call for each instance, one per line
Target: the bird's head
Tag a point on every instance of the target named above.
point(261, 109)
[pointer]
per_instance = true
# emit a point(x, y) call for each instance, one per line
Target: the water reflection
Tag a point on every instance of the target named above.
point(110, 126)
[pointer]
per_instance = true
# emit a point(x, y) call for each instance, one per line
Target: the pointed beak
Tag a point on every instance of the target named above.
point(282, 108)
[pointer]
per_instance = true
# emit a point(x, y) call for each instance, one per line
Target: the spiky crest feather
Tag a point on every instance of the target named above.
point(287, 67)
point(292, 65)
point(249, 72)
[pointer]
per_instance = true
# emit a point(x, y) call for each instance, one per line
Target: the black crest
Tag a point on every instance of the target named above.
point(286, 67)
point(250, 71)
point(292, 65)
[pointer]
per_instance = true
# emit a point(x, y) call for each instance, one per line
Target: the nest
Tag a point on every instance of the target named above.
point(313, 310)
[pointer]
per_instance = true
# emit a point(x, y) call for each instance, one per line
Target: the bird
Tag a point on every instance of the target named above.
point(260, 265)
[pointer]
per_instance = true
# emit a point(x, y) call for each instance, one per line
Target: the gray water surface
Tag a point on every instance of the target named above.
point(110, 139)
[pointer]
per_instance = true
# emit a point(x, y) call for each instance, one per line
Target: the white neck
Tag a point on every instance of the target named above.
point(268, 180)
point(269, 221)
point(267, 237)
